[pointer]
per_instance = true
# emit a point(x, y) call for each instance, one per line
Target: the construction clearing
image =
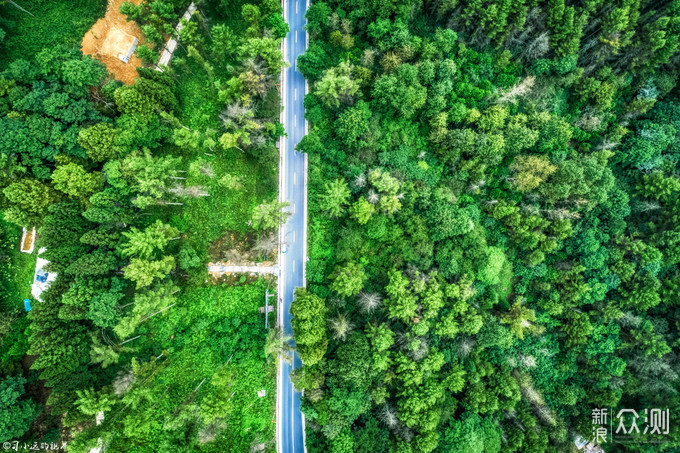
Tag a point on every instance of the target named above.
point(113, 40)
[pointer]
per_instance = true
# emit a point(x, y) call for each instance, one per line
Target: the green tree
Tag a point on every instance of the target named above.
point(29, 200)
point(149, 177)
point(278, 345)
point(143, 272)
point(72, 179)
point(520, 319)
point(268, 216)
point(16, 414)
point(530, 171)
point(98, 141)
point(447, 220)
point(83, 72)
point(336, 85)
point(348, 280)
point(154, 237)
point(309, 326)
point(361, 210)
point(577, 327)
point(401, 303)
point(335, 197)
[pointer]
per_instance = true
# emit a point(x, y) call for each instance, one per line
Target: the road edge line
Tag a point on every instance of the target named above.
point(279, 296)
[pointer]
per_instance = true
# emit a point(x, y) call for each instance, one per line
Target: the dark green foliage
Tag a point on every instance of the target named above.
point(16, 414)
point(45, 105)
point(49, 25)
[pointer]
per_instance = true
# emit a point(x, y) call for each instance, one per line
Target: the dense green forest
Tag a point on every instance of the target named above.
point(494, 230)
point(133, 189)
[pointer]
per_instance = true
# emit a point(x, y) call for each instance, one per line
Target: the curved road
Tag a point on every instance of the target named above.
point(293, 189)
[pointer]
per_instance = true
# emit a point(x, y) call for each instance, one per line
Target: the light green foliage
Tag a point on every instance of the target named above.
point(336, 85)
point(348, 280)
point(471, 433)
point(520, 319)
point(154, 237)
point(531, 171)
point(144, 272)
point(148, 176)
point(490, 273)
point(362, 210)
point(308, 324)
point(335, 197)
point(98, 141)
point(72, 179)
point(401, 303)
point(30, 199)
point(267, 216)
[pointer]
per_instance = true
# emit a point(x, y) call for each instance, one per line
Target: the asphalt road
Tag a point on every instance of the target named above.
point(293, 188)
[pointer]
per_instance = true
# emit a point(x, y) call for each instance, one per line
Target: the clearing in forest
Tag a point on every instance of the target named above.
point(112, 36)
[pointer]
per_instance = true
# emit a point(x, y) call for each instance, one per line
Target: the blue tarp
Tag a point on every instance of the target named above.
point(41, 276)
point(27, 305)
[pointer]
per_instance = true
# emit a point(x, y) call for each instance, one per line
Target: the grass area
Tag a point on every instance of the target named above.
point(16, 276)
point(17, 269)
point(53, 23)
point(210, 328)
point(206, 219)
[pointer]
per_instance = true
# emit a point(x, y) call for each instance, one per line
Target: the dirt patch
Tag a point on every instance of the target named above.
point(27, 243)
point(234, 249)
point(112, 36)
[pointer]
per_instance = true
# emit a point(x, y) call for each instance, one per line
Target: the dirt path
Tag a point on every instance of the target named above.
point(219, 269)
point(114, 25)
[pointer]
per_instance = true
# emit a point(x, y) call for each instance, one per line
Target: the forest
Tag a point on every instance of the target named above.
point(133, 189)
point(494, 240)
point(493, 226)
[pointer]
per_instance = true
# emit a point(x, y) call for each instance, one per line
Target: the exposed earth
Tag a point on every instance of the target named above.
point(111, 36)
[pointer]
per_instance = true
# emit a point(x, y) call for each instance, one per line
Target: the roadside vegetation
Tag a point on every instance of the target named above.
point(134, 188)
point(493, 223)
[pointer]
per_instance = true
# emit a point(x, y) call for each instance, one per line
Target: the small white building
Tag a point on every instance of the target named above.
point(41, 278)
point(119, 44)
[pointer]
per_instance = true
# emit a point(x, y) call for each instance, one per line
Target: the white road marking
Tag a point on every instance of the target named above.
point(293, 265)
point(294, 178)
point(292, 409)
point(296, 94)
point(296, 7)
point(295, 120)
point(296, 36)
point(293, 208)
